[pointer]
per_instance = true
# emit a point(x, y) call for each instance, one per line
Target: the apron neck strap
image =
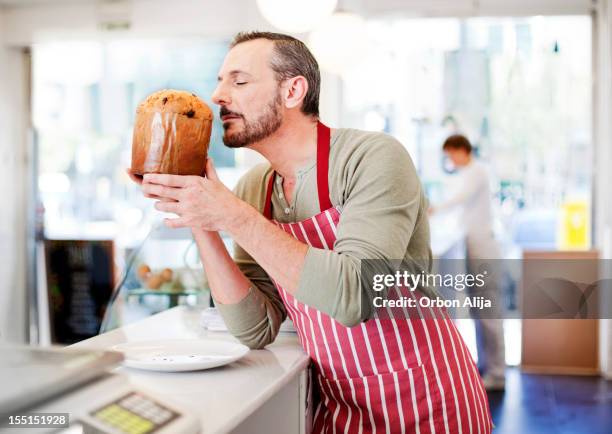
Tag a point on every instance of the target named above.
point(323, 143)
point(268, 202)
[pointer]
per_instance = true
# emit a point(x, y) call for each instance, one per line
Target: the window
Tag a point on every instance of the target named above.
point(84, 100)
point(519, 88)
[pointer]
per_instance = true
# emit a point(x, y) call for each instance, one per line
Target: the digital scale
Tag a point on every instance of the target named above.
point(43, 381)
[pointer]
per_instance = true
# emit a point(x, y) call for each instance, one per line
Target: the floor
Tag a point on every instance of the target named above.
point(542, 404)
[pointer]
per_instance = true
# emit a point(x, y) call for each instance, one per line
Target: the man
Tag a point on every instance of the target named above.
point(302, 223)
point(473, 197)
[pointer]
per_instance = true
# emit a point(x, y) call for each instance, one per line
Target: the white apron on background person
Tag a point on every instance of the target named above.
point(472, 194)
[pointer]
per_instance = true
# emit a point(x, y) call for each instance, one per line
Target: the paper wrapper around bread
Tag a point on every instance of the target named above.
point(172, 143)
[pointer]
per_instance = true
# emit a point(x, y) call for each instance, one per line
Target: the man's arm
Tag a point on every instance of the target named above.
point(227, 283)
point(277, 252)
point(383, 203)
point(469, 183)
point(243, 293)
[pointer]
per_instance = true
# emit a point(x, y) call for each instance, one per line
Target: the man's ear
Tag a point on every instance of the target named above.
point(295, 90)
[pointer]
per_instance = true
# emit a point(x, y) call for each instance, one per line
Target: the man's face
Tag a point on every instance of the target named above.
point(248, 94)
point(459, 157)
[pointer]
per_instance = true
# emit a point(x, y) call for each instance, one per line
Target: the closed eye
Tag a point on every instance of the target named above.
point(240, 83)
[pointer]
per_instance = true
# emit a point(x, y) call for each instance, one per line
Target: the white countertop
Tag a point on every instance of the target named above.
point(223, 397)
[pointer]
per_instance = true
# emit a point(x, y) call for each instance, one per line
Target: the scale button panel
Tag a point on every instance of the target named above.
point(134, 413)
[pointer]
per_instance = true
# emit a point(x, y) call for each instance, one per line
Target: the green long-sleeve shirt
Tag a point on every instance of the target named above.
point(384, 216)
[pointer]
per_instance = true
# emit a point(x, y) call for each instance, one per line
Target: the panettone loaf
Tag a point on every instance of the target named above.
point(171, 134)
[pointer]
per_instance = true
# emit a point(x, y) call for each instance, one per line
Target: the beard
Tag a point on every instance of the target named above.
point(254, 131)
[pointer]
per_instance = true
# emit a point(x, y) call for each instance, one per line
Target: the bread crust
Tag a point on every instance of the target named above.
point(176, 101)
point(171, 134)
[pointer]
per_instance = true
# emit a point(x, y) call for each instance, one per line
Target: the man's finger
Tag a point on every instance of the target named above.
point(161, 191)
point(136, 178)
point(211, 172)
point(173, 207)
point(167, 180)
point(161, 199)
point(176, 223)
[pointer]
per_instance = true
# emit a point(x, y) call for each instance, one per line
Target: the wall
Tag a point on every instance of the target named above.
point(448, 8)
point(67, 18)
point(156, 18)
point(603, 163)
point(12, 185)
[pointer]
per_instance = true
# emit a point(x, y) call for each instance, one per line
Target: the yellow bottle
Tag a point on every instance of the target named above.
point(574, 226)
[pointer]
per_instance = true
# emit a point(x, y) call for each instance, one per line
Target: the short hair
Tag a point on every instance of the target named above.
point(291, 58)
point(457, 141)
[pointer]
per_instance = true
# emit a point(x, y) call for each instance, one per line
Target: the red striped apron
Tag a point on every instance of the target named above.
point(384, 375)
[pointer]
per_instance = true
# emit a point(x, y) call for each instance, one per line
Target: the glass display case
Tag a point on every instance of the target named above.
point(161, 272)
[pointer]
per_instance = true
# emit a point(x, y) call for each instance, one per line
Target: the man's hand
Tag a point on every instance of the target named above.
point(206, 206)
point(136, 178)
point(200, 203)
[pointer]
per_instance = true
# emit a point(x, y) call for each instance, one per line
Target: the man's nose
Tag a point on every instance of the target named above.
point(220, 96)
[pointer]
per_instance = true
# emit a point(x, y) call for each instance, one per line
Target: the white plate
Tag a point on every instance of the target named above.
point(175, 355)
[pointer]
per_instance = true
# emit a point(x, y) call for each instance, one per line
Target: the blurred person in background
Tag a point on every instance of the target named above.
point(473, 197)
